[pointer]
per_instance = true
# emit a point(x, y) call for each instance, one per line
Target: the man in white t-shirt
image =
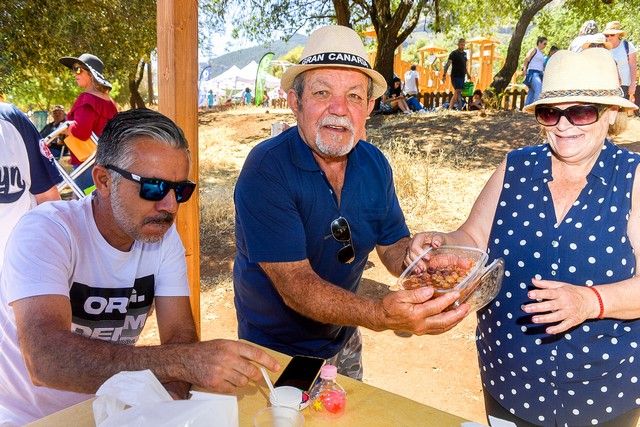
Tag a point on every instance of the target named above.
point(28, 175)
point(624, 53)
point(411, 81)
point(75, 294)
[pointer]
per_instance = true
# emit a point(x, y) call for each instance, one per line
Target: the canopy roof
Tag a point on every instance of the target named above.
point(239, 78)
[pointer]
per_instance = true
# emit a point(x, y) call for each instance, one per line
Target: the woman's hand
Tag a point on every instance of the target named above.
point(562, 303)
point(418, 244)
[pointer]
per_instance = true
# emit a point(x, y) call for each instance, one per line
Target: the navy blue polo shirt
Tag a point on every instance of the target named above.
point(284, 208)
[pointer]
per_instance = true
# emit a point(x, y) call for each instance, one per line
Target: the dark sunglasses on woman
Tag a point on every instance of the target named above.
point(577, 115)
point(77, 69)
point(155, 189)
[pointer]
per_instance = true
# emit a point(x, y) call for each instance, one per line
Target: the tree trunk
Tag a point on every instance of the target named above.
point(343, 13)
point(384, 57)
point(135, 100)
point(392, 29)
point(150, 84)
point(503, 77)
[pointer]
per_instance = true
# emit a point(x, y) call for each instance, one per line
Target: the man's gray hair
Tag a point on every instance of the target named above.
point(298, 87)
point(125, 129)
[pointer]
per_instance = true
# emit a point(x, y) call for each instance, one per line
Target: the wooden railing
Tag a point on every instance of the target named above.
point(279, 103)
point(512, 100)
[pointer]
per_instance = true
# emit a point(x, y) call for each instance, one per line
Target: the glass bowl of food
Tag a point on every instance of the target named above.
point(459, 268)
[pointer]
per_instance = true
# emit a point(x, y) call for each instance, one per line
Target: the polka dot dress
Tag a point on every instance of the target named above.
point(589, 374)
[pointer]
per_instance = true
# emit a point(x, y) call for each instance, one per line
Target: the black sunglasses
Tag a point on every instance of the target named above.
point(341, 231)
point(77, 69)
point(155, 189)
point(577, 115)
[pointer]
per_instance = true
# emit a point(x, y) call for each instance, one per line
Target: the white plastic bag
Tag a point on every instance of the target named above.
point(137, 399)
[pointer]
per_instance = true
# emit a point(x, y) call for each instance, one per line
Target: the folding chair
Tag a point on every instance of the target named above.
point(69, 179)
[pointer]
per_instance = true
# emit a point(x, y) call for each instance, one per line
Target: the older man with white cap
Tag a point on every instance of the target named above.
point(311, 204)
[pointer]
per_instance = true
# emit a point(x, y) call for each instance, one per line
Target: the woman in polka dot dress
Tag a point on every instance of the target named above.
point(559, 345)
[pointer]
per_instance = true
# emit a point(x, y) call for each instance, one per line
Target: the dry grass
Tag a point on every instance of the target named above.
point(220, 162)
point(436, 187)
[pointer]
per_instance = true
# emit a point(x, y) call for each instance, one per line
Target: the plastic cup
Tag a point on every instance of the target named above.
point(287, 396)
point(278, 416)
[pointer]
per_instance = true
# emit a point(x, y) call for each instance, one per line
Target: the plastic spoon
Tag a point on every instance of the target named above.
point(268, 381)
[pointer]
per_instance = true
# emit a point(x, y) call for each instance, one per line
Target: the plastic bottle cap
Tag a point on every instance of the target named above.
point(328, 372)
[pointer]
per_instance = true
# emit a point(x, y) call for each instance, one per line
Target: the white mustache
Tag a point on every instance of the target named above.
point(337, 121)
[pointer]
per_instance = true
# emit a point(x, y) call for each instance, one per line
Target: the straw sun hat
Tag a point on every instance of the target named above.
point(334, 46)
point(89, 62)
point(614, 27)
point(598, 38)
point(590, 76)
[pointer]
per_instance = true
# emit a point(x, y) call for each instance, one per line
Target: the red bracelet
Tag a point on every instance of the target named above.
point(600, 303)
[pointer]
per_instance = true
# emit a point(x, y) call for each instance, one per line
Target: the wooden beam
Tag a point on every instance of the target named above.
point(177, 24)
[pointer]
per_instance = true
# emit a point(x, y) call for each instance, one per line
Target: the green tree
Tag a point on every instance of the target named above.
point(392, 20)
point(34, 34)
point(293, 56)
point(561, 24)
point(527, 11)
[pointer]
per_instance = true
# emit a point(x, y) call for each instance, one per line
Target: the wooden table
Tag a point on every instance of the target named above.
point(366, 406)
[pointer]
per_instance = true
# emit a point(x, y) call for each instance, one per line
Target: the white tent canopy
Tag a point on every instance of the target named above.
point(237, 79)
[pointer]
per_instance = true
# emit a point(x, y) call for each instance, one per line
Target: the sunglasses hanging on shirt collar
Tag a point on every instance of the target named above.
point(341, 231)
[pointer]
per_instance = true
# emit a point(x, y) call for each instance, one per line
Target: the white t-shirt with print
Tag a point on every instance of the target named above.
point(622, 61)
point(16, 178)
point(56, 249)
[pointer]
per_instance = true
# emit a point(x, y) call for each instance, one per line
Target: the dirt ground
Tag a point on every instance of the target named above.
point(440, 371)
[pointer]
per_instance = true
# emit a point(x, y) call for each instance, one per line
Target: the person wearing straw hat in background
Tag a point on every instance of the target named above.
point(558, 345)
point(624, 53)
point(93, 108)
point(311, 204)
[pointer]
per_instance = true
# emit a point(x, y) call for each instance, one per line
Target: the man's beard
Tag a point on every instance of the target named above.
point(125, 223)
point(335, 147)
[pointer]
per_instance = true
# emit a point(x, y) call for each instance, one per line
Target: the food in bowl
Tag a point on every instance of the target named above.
point(460, 268)
point(441, 276)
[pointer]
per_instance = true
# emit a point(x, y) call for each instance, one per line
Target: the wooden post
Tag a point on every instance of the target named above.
point(177, 25)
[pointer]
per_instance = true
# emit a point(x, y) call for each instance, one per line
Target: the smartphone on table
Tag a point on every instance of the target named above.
point(301, 372)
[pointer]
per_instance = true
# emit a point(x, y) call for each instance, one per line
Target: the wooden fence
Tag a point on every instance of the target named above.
point(512, 100)
point(279, 103)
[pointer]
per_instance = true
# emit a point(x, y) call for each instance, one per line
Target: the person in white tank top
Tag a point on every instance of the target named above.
point(533, 69)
